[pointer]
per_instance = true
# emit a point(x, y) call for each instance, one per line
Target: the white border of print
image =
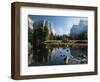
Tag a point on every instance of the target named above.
point(25, 70)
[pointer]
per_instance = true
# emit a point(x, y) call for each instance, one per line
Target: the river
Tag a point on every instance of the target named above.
point(59, 56)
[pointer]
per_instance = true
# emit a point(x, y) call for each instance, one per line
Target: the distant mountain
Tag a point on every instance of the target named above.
point(80, 28)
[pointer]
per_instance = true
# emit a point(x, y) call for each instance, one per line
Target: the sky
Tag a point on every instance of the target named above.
point(61, 24)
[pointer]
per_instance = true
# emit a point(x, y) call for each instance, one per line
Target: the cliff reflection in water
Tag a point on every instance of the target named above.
point(58, 55)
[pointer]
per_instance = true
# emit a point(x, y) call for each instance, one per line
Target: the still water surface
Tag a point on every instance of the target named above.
point(59, 56)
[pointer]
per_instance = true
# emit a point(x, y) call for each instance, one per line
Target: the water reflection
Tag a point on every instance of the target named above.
point(50, 55)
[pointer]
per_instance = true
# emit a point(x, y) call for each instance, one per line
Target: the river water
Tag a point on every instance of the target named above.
point(59, 56)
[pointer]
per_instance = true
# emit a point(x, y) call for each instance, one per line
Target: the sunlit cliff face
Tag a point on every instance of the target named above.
point(30, 23)
point(81, 27)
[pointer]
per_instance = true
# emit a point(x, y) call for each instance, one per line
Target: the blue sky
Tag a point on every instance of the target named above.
point(61, 24)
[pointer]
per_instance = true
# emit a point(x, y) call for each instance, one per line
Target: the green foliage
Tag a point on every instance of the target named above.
point(45, 33)
point(29, 45)
point(40, 35)
point(81, 36)
point(30, 36)
point(51, 36)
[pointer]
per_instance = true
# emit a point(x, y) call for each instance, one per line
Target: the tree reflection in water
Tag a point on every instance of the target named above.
point(52, 55)
point(40, 55)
